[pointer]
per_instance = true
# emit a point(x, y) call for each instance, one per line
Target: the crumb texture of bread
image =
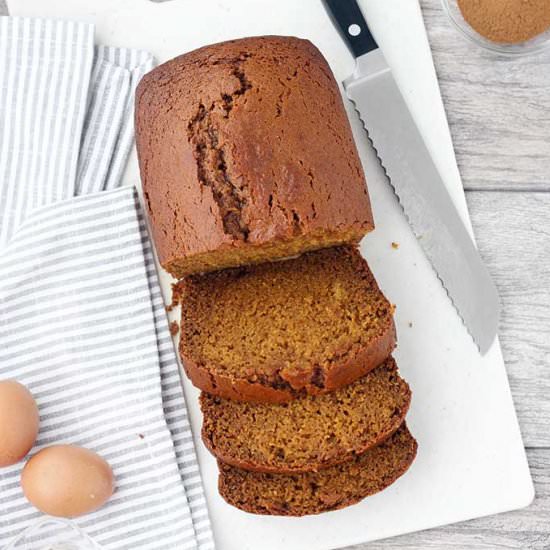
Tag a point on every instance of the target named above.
point(316, 492)
point(275, 331)
point(246, 155)
point(309, 433)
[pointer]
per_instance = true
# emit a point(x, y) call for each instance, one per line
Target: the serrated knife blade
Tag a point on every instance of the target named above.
point(415, 179)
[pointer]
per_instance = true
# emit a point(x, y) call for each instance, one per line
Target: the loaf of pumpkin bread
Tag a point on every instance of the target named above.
point(246, 155)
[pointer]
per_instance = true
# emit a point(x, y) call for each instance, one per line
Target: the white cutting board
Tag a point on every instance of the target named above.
point(471, 461)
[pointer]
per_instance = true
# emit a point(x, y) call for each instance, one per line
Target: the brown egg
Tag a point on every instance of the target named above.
point(18, 422)
point(67, 481)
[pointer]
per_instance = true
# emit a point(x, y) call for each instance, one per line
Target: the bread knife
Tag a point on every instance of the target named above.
point(415, 179)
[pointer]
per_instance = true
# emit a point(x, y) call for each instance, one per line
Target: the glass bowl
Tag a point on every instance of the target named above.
point(53, 534)
point(536, 44)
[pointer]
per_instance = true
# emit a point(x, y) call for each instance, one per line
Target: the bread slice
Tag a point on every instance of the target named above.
point(316, 492)
point(309, 433)
point(275, 331)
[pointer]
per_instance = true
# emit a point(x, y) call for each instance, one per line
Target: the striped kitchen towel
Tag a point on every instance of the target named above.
point(82, 320)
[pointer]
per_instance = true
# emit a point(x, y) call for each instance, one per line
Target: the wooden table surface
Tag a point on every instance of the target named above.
point(499, 115)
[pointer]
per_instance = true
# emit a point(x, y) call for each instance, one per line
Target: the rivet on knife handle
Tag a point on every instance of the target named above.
point(348, 19)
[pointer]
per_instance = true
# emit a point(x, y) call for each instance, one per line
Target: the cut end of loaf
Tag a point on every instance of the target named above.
point(239, 254)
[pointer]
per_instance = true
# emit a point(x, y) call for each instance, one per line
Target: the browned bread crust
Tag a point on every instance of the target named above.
point(276, 331)
point(315, 492)
point(246, 155)
point(309, 433)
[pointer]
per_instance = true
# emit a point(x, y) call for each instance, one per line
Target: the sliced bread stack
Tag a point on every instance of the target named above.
point(257, 200)
point(302, 405)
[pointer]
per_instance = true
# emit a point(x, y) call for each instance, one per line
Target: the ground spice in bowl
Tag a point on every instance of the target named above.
point(507, 21)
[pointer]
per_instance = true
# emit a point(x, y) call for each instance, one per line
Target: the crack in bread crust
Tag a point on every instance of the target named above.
point(210, 156)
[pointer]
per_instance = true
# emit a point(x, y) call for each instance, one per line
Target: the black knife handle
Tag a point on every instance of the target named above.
point(347, 16)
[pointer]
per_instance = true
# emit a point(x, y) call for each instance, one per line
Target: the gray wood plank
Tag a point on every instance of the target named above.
point(498, 108)
point(513, 233)
point(525, 529)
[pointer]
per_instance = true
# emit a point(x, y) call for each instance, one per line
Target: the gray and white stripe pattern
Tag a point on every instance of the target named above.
point(175, 409)
point(82, 320)
point(83, 327)
point(45, 74)
point(109, 124)
point(61, 101)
